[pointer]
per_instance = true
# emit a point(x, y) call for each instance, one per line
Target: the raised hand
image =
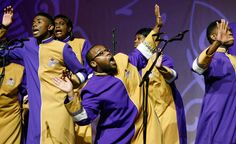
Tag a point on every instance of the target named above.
point(65, 85)
point(159, 22)
point(223, 32)
point(7, 16)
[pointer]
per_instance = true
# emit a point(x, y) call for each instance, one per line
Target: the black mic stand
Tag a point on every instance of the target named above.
point(114, 42)
point(145, 78)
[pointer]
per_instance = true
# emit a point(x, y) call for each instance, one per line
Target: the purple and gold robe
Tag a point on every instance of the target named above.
point(80, 47)
point(167, 102)
point(13, 84)
point(118, 100)
point(49, 121)
point(217, 121)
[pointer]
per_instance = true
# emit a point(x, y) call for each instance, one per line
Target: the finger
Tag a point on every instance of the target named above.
point(57, 80)
point(8, 9)
point(157, 10)
point(11, 11)
point(67, 79)
point(223, 24)
point(217, 25)
point(226, 25)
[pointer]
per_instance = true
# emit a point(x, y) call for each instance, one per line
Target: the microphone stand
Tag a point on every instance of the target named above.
point(145, 78)
point(114, 42)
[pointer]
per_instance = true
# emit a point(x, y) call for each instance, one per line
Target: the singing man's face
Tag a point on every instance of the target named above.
point(61, 30)
point(139, 38)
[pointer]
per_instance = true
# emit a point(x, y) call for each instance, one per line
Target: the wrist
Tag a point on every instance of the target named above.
point(156, 28)
point(71, 93)
point(4, 26)
point(219, 43)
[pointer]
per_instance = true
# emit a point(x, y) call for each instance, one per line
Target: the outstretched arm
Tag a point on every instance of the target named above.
point(221, 37)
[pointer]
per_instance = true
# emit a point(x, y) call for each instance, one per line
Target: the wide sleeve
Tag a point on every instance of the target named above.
point(73, 64)
point(83, 112)
point(139, 57)
point(168, 64)
point(202, 62)
point(85, 49)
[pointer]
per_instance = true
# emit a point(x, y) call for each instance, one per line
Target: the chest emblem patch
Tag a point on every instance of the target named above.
point(52, 62)
point(127, 73)
point(10, 82)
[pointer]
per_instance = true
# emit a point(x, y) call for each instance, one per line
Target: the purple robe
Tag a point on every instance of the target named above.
point(217, 121)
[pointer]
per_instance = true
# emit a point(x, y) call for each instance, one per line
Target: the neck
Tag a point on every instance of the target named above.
point(44, 37)
point(222, 49)
point(101, 73)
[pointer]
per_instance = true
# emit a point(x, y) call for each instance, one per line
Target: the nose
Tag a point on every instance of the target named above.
point(34, 25)
point(57, 25)
point(107, 53)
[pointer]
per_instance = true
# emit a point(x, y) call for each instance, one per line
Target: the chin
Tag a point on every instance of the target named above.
point(229, 44)
point(59, 38)
point(35, 36)
point(113, 71)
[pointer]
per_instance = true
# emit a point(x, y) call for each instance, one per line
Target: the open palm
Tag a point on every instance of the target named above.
point(64, 85)
point(7, 16)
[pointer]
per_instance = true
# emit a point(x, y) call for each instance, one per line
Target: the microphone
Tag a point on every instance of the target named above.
point(158, 34)
point(114, 42)
point(179, 36)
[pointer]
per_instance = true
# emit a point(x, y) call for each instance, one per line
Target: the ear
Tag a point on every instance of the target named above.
point(213, 36)
point(50, 27)
point(93, 64)
point(69, 29)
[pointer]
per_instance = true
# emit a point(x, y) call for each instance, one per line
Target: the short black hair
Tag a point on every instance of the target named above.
point(49, 17)
point(210, 29)
point(88, 55)
point(66, 19)
point(144, 31)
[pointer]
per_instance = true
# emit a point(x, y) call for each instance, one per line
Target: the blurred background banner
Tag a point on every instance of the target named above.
point(99, 20)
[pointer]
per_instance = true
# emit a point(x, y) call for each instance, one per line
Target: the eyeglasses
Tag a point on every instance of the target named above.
point(100, 53)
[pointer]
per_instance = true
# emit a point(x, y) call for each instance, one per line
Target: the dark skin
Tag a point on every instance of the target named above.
point(41, 28)
point(102, 60)
point(222, 36)
point(62, 30)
